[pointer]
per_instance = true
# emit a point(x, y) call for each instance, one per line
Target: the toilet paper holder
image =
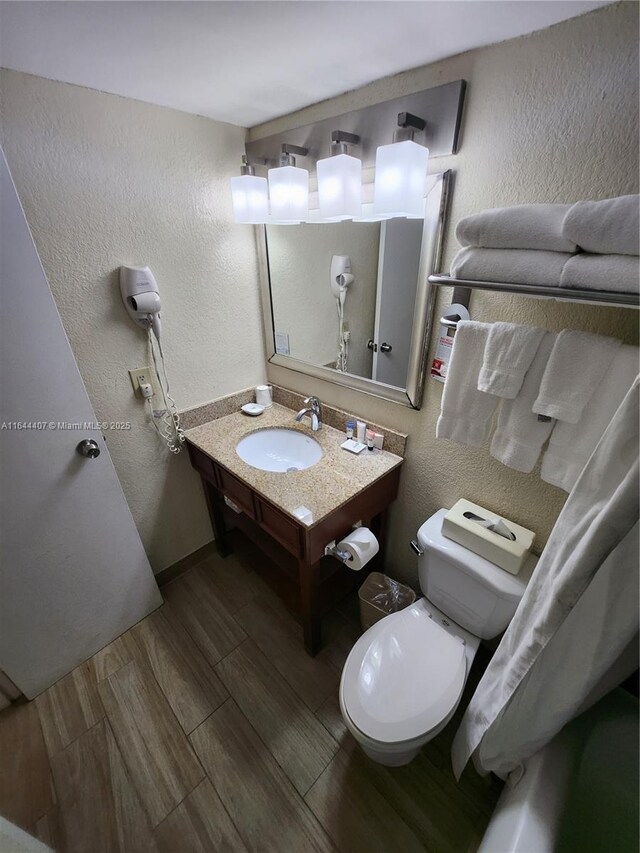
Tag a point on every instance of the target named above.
point(332, 550)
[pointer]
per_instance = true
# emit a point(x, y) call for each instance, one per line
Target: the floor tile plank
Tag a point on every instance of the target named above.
point(331, 718)
point(193, 599)
point(355, 814)
point(153, 746)
point(189, 684)
point(280, 638)
point(296, 739)
point(100, 809)
point(113, 657)
point(49, 830)
point(433, 806)
point(234, 585)
point(200, 824)
point(25, 776)
point(268, 813)
point(69, 707)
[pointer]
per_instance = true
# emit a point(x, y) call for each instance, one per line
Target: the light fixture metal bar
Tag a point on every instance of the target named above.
point(373, 124)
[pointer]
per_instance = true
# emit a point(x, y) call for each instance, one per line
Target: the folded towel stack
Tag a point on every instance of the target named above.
point(608, 232)
point(590, 245)
point(562, 388)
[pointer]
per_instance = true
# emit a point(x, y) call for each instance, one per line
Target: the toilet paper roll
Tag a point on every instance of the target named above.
point(361, 545)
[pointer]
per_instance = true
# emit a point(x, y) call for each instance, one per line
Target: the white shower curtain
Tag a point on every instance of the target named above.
point(578, 616)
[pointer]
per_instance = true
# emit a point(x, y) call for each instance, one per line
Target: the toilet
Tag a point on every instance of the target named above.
point(404, 677)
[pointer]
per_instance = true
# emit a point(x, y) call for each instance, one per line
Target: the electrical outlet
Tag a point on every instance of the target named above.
point(138, 377)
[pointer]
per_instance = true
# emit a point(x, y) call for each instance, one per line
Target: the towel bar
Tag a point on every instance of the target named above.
point(564, 294)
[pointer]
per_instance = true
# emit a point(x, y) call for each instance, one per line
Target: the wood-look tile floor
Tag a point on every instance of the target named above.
point(207, 727)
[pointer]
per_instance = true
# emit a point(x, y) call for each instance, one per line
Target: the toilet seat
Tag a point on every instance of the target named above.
point(403, 677)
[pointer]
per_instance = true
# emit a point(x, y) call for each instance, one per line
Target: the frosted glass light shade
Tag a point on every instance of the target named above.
point(250, 197)
point(339, 187)
point(401, 174)
point(289, 193)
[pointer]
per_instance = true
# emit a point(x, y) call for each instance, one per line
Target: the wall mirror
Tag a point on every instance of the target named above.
point(373, 336)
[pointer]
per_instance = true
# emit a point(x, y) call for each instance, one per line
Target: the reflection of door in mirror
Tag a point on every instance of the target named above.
point(398, 265)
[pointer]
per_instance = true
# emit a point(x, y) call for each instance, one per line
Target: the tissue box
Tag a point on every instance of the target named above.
point(510, 555)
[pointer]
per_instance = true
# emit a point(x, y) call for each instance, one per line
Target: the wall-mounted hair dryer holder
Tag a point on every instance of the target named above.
point(141, 297)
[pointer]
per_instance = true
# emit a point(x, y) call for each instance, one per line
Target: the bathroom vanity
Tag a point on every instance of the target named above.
point(339, 490)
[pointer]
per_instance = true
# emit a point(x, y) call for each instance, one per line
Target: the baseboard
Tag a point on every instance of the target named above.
point(181, 566)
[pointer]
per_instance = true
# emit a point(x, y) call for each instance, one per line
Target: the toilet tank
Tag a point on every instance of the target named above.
point(477, 594)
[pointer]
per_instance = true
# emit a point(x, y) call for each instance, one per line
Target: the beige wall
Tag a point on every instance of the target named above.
point(550, 117)
point(106, 180)
point(303, 304)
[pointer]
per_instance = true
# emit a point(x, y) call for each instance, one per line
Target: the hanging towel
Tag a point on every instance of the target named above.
point(617, 273)
point(509, 352)
point(578, 615)
point(576, 366)
point(609, 227)
point(571, 445)
point(520, 266)
point(519, 435)
point(526, 226)
point(466, 413)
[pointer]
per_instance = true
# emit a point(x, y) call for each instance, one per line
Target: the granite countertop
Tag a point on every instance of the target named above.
point(331, 482)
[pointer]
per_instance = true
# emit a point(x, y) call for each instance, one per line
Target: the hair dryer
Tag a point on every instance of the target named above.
point(141, 298)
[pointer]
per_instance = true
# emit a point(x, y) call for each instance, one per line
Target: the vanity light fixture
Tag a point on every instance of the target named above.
point(289, 186)
point(340, 180)
point(249, 195)
point(401, 171)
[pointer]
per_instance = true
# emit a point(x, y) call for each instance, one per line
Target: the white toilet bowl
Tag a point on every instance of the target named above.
point(403, 680)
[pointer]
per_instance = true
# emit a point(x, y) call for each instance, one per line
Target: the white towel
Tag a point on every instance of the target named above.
point(576, 366)
point(571, 445)
point(509, 352)
point(526, 226)
point(617, 273)
point(519, 435)
point(520, 266)
point(465, 414)
point(609, 227)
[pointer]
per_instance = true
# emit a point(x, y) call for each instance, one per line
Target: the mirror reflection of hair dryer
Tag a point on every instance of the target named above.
point(341, 278)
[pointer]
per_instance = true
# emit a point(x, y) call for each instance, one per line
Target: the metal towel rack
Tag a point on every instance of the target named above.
point(563, 294)
point(566, 294)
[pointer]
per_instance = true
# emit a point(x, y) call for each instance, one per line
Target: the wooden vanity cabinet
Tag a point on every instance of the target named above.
point(296, 569)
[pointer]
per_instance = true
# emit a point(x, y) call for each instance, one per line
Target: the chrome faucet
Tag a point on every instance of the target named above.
point(314, 411)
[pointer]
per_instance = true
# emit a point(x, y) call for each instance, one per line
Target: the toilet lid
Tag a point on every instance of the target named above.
point(403, 677)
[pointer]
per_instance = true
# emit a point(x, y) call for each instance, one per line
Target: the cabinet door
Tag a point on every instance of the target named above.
point(285, 531)
point(237, 491)
point(202, 463)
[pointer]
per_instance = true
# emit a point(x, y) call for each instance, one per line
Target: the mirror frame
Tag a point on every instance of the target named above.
point(420, 334)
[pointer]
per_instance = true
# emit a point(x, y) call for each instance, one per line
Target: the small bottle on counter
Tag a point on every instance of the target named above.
point(350, 427)
point(369, 435)
point(361, 428)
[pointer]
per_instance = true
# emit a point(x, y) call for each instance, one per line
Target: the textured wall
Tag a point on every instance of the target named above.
point(303, 305)
point(550, 117)
point(106, 180)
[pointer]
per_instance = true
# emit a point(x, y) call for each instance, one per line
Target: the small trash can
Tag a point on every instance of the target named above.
point(379, 596)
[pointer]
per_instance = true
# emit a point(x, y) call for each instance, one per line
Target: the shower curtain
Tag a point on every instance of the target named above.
point(577, 622)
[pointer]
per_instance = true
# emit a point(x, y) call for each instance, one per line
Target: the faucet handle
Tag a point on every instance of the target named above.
point(314, 403)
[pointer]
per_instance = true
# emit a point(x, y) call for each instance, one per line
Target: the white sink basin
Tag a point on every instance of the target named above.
point(279, 450)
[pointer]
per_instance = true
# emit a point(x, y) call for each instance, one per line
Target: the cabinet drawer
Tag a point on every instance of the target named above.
point(202, 463)
point(285, 531)
point(237, 491)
